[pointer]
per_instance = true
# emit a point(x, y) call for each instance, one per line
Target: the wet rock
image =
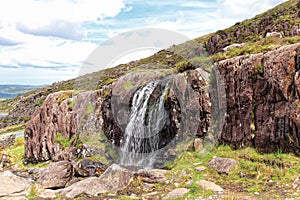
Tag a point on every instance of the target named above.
point(207, 185)
point(114, 179)
point(88, 167)
point(187, 102)
point(116, 106)
point(7, 140)
point(176, 193)
point(13, 186)
point(222, 165)
point(56, 175)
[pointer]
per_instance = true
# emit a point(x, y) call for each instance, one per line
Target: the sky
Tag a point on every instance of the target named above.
point(45, 41)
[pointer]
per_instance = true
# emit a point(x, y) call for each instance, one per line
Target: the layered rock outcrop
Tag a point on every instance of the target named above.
point(262, 93)
point(260, 102)
point(57, 124)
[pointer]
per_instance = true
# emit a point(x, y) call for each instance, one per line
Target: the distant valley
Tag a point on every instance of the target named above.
point(11, 91)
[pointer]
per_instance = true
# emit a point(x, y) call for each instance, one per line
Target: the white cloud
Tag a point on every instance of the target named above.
point(244, 9)
point(54, 33)
point(38, 13)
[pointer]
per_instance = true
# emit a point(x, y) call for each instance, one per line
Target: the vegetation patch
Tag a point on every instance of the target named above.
point(63, 141)
point(270, 175)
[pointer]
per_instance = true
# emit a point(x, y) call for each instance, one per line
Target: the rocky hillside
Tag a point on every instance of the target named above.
point(283, 19)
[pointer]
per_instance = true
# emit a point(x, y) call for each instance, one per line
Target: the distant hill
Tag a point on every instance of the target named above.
point(12, 91)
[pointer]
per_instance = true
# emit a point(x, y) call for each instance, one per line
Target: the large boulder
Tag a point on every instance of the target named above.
point(56, 175)
point(13, 186)
point(152, 176)
point(222, 165)
point(114, 179)
point(176, 193)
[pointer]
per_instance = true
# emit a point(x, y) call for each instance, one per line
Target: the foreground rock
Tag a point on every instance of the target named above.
point(88, 167)
point(7, 140)
point(176, 193)
point(222, 165)
point(114, 179)
point(13, 186)
point(56, 175)
point(152, 176)
point(207, 185)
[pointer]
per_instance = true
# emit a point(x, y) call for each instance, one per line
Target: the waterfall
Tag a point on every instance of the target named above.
point(140, 143)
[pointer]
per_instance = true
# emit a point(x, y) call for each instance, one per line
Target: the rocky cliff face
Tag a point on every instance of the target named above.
point(261, 107)
point(262, 93)
point(187, 104)
point(63, 116)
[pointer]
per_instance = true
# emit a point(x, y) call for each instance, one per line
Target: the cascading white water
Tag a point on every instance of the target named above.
point(140, 143)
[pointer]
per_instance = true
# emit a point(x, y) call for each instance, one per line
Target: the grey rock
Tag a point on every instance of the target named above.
point(56, 175)
point(152, 175)
point(88, 167)
point(115, 178)
point(222, 165)
point(198, 144)
point(207, 185)
point(13, 186)
point(200, 168)
point(176, 193)
point(7, 140)
point(233, 46)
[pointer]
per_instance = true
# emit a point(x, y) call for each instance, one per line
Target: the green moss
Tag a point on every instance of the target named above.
point(70, 105)
point(89, 109)
point(128, 85)
point(183, 66)
point(63, 96)
point(32, 193)
point(65, 142)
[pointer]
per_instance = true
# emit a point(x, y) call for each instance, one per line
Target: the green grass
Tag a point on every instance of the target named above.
point(65, 142)
point(32, 193)
point(263, 45)
point(13, 128)
point(263, 173)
